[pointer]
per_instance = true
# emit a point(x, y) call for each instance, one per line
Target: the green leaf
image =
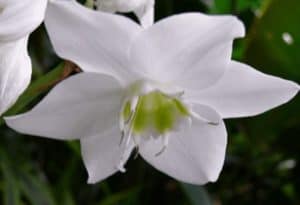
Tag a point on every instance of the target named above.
point(74, 146)
point(120, 196)
point(267, 49)
point(37, 88)
point(197, 194)
point(268, 52)
point(40, 86)
point(11, 195)
point(35, 190)
point(234, 6)
point(68, 199)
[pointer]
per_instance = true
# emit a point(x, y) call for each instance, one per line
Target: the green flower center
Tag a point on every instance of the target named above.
point(155, 114)
point(151, 111)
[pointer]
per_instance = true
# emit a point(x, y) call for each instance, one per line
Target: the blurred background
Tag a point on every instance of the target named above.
point(262, 164)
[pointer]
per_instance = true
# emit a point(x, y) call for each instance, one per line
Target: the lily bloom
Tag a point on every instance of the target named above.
point(162, 91)
point(17, 20)
point(143, 9)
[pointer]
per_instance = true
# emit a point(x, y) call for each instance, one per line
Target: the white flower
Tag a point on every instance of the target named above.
point(18, 18)
point(143, 9)
point(163, 90)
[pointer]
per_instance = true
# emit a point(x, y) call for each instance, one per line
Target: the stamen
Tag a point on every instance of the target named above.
point(121, 119)
point(161, 151)
point(120, 167)
point(198, 117)
point(177, 94)
point(214, 123)
point(136, 140)
point(165, 139)
point(129, 119)
point(150, 113)
point(137, 149)
point(122, 137)
point(133, 103)
point(126, 149)
point(129, 136)
point(124, 124)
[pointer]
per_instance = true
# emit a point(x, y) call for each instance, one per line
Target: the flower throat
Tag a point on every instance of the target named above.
point(152, 111)
point(155, 114)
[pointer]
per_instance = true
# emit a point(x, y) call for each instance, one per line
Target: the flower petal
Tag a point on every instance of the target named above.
point(83, 105)
point(194, 155)
point(19, 18)
point(96, 41)
point(145, 13)
point(102, 154)
point(191, 50)
point(144, 9)
point(244, 91)
point(15, 72)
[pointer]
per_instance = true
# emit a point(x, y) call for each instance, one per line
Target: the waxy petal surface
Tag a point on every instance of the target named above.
point(145, 13)
point(144, 9)
point(83, 105)
point(194, 155)
point(95, 41)
point(18, 18)
point(102, 154)
point(15, 72)
point(244, 91)
point(191, 50)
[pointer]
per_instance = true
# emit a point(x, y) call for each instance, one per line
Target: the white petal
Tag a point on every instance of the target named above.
point(15, 72)
point(145, 13)
point(102, 154)
point(110, 6)
point(119, 5)
point(186, 47)
point(144, 9)
point(83, 105)
point(244, 91)
point(19, 18)
point(96, 41)
point(195, 155)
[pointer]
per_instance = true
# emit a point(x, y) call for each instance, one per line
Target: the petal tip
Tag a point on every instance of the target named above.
point(297, 86)
point(91, 180)
point(240, 28)
point(12, 122)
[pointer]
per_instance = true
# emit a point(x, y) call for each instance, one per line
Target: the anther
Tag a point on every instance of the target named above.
point(198, 117)
point(161, 151)
point(178, 94)
point(136, 150)
point(120, 167)
point(165, 145)
point(213, 123)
